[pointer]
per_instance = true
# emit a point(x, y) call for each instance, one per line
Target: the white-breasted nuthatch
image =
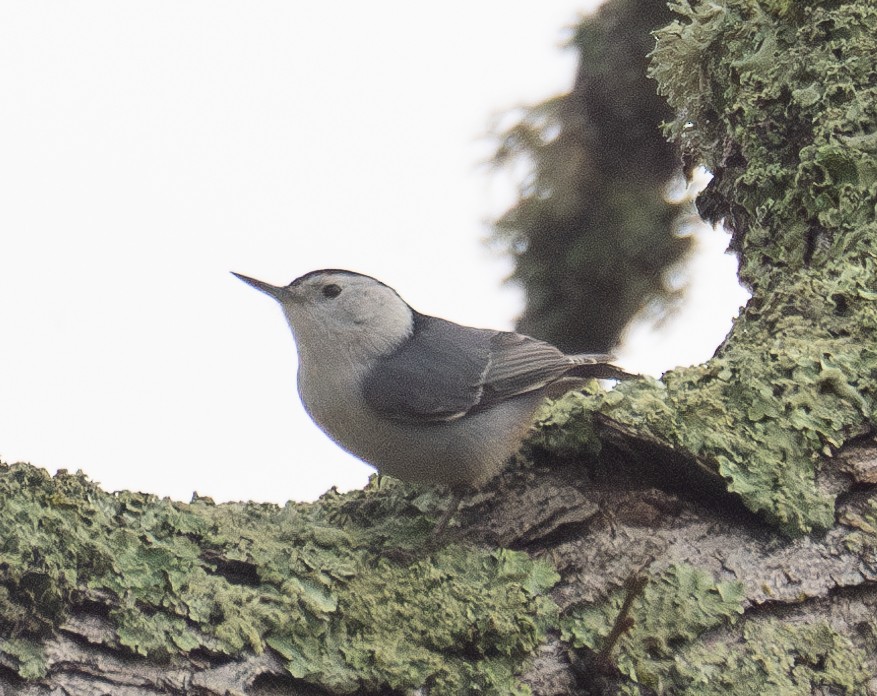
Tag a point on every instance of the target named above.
point(417, 397)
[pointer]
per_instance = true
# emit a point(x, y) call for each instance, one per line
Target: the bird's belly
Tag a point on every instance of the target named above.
point(435, 453)
point(468, 451)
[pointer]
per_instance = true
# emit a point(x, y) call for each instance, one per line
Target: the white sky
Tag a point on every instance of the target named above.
point(149, 148)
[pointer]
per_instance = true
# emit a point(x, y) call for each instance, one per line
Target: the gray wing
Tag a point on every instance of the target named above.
point(435, 375)
point(446, 371)
point(520, 364)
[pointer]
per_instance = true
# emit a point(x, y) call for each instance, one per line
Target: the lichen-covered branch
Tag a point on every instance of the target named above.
point(198, 586)
point(779, 100)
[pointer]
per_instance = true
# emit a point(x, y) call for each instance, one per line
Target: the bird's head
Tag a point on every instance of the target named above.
point(332, 310)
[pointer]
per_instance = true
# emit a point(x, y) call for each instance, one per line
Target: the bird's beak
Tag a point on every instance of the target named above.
point(278, 293)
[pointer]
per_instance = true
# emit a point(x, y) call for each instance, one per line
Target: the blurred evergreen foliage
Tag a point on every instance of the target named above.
point(593, 233)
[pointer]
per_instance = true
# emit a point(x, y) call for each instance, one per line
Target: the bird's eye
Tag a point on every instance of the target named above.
point(331, 290)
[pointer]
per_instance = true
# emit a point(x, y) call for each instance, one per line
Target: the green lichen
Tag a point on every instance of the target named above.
point(566, 427)
point(498, 593)
point(779, 100)
point(27, 656)
point(673, 611)
point(782, 107)
point(862, 537)
point(677, 645)
point(237, 578)
point(774, 657)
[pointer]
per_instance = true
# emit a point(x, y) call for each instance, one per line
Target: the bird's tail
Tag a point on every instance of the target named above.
point(598, 365)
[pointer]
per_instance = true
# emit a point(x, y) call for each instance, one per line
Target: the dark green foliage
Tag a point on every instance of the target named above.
point(592, 233)
point(238, 578)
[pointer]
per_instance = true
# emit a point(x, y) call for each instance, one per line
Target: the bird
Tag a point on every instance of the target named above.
point(418, 397)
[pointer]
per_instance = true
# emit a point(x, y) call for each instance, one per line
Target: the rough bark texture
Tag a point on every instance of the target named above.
point(740, 491)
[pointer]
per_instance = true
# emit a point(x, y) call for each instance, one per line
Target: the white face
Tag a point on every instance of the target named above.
point(333, 312)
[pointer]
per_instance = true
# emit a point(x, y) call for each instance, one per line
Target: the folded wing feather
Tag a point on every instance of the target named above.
point(446, 371)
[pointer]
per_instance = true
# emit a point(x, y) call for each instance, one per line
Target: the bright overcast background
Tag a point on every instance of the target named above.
point(149, 148)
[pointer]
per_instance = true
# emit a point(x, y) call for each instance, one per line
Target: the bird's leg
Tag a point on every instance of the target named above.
point(456, 497)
